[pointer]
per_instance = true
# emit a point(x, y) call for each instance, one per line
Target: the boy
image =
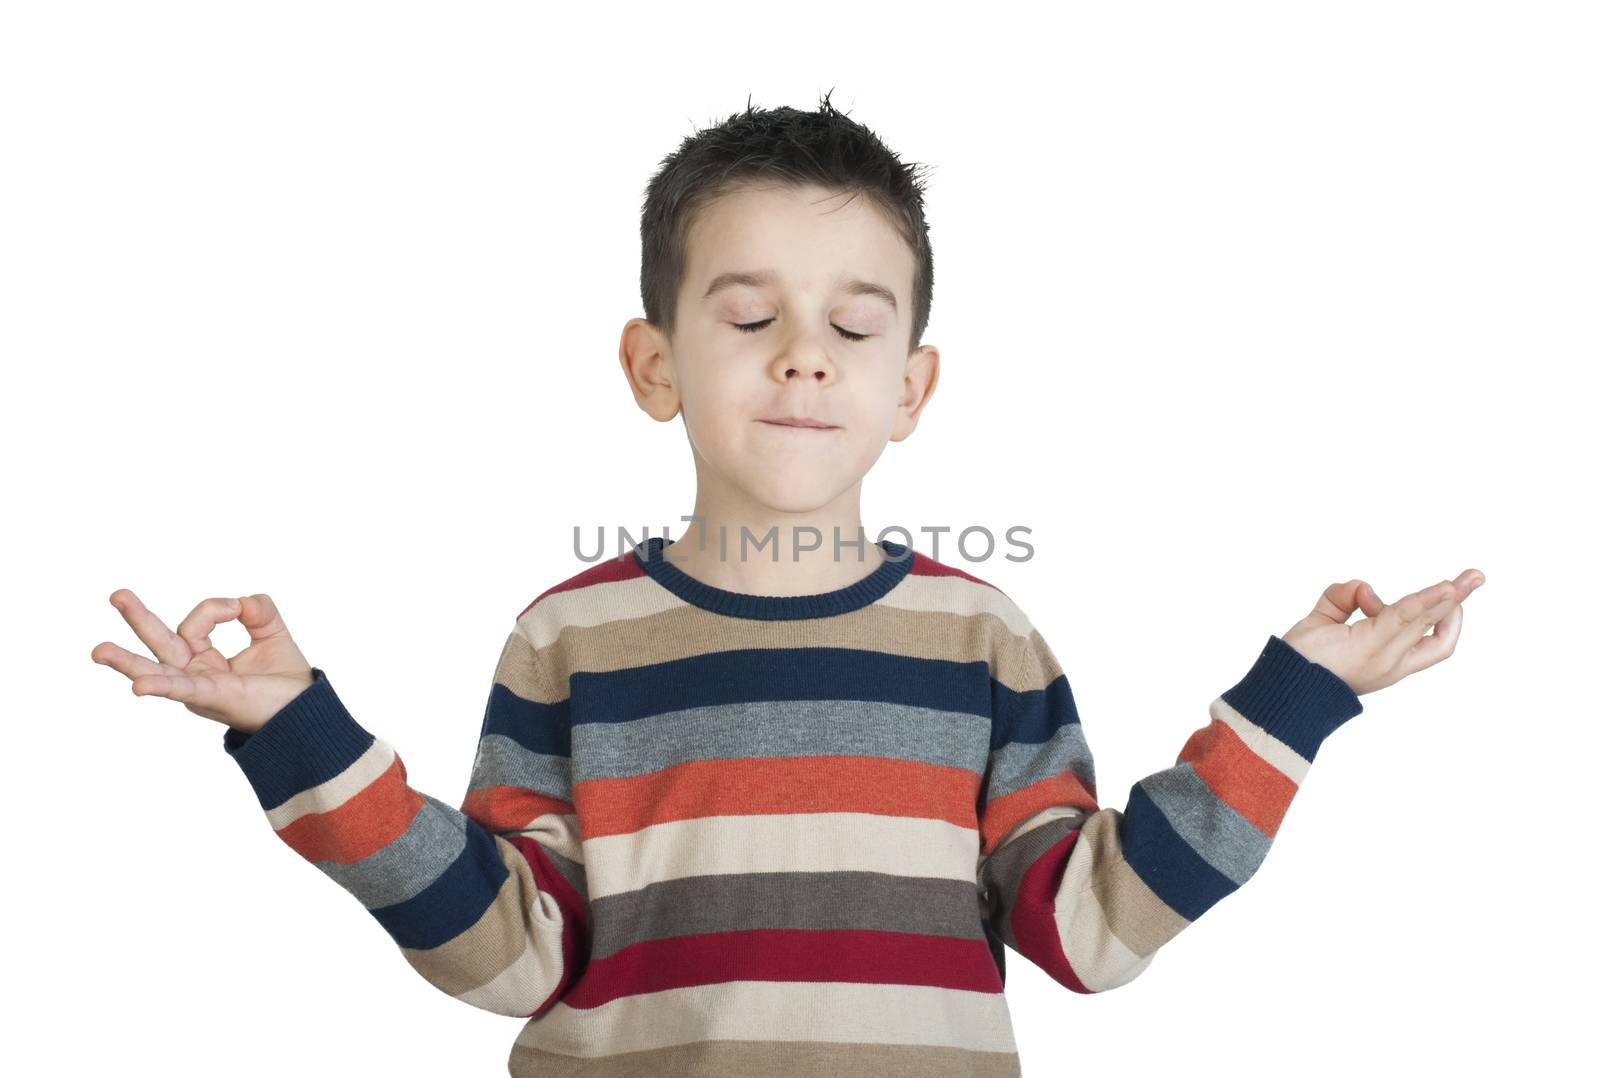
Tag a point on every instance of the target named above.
point(776, 812)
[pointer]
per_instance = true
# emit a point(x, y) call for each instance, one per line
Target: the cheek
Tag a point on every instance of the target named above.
point(887, 384)
point(718, 407)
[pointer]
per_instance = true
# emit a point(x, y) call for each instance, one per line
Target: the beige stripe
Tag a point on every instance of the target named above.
point(329, 795)
point(1097, 956)
point(780, 842)
point(955, 595)
point(1109, 921)
point(554, 831)
point(597, 604)
point(521, 671)
point(510, 960)
point(648, 634)
point(831, 1011)
point(1263, 744)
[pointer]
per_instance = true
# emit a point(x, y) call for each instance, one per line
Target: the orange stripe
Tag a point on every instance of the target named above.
point(1246, 782)
point(1004, 813)
point(361, 826)
point(773, 785)
point(510, 808)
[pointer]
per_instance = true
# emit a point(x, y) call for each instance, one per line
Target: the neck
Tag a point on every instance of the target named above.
point(775, 553)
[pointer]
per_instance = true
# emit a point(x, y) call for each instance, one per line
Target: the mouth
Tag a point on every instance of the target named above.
point(799, 423)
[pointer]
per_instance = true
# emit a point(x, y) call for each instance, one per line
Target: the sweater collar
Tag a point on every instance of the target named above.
point(867, 590)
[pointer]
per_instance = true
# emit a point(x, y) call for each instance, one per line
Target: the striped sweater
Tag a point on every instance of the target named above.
point(712, 833)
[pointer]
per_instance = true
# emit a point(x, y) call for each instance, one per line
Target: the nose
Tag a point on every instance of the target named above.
point(804, 358)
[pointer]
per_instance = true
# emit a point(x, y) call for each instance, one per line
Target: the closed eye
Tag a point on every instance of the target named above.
point(757, 327)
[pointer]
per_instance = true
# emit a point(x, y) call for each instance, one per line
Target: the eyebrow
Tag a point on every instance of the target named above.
point(853, 286)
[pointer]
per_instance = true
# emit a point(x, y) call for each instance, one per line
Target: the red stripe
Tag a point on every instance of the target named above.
point(814, 955)
point(922, 565)
point(617, 567)
point(1033, 916)
point(574, 915)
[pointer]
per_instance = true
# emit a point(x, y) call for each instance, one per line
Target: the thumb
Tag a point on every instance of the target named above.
point(259, 616)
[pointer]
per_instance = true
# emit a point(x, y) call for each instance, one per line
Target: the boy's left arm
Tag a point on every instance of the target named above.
point(1089, 894)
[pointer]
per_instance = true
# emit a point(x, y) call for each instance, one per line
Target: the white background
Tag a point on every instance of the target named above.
point(1235, 301)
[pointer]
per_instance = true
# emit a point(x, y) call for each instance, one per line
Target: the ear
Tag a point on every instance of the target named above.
point(917, 385)
point(646, 358)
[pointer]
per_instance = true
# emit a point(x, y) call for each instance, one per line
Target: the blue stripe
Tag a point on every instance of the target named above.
point(1032, 717)
point(1167, 864)
point(537, 727)
point(1297, 701)
point(756, 674)
point(455, 901)
point(304, 744)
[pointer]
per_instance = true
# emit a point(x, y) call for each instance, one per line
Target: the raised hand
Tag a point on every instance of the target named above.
point(242, 692)
point(1392, 641)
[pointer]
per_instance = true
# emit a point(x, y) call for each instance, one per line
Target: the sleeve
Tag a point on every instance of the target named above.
point(487, 902)
point(1089, 894)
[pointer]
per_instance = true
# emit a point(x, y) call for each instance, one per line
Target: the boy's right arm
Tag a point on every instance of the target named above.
point(488, 902)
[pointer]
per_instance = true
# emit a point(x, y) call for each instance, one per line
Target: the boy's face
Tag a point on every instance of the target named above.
point(809, 271)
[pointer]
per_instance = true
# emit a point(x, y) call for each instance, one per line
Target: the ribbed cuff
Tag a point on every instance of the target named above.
point(309, 741)
point(1297, 701)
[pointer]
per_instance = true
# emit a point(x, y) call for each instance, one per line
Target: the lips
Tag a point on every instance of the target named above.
point(801, 422)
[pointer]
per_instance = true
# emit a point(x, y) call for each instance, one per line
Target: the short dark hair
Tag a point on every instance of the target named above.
point(786, 146)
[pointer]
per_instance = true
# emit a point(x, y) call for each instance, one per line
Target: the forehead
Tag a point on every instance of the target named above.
point(808, 236)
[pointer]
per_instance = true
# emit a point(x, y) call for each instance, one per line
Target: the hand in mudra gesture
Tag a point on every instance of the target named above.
point(242, 692)
point(1392, 641)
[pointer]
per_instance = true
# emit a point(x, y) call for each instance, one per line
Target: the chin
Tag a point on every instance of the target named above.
point(801, 494)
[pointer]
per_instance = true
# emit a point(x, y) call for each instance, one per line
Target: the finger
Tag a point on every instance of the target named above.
point(1371, 605)
point(199, 691)
point(1440, 644)
point(196, 628)
point(1411, 632)
point(126, 662)
point(1396, 617)
point(163, 643)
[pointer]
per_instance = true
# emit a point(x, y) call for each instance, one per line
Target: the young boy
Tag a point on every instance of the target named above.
point(775, 811)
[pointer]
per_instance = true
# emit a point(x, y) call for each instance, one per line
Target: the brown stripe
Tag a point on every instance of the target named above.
point(808, 900)
point(772, 1059)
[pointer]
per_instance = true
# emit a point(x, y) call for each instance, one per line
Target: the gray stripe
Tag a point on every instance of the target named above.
point(780, 728)
point(1020, 764)
point(502, 761)
point(410, 863)
point(1227, 841)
